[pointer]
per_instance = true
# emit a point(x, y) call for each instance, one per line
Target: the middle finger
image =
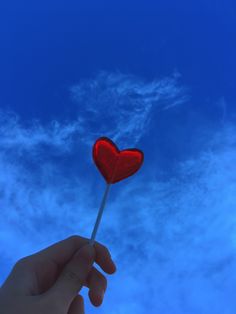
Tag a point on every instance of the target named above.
point(97, 284)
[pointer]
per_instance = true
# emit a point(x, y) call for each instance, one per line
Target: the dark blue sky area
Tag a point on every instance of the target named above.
point(155, 75)
point(48, 46)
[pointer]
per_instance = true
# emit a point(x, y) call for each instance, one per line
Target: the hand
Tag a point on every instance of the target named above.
point(48, 281)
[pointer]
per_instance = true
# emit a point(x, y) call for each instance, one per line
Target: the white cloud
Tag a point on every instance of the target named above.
point(15, 135)
point(120, 106)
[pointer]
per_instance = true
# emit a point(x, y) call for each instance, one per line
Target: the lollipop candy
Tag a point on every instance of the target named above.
point(114, 165)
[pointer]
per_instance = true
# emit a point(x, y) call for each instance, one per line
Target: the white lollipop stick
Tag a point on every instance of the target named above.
point(99, 216)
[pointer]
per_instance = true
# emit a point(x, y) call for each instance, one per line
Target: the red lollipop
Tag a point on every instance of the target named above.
point(114, 165)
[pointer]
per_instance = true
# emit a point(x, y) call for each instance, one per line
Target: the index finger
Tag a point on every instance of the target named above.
point(61, 252)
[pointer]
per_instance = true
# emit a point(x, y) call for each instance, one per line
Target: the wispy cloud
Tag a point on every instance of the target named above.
point(120, 106)
point(16, 135)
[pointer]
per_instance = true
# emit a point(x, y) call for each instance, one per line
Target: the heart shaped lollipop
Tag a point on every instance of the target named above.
point(114, 165)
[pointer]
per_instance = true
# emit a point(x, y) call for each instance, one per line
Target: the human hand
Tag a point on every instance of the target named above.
point(48, 281)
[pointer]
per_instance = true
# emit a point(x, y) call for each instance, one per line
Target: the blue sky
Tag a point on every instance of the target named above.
point(156, 75)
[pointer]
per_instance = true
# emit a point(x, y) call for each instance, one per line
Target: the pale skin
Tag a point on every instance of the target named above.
point(48, 282)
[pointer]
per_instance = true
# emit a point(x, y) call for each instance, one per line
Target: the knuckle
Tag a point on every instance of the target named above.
point(106, 251)
point(22, 262)
point(104, 280)
point(75, 238)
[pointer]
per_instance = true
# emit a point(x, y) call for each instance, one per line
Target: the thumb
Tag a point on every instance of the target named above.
point(73, 276)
